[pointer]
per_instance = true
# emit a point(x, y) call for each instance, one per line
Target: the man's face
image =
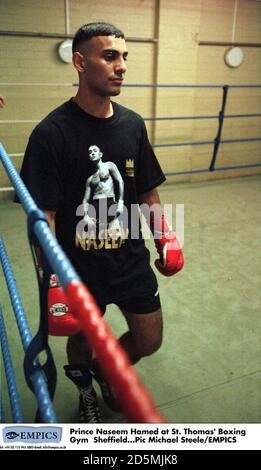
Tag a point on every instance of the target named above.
point(94, 153)
point(104, 64)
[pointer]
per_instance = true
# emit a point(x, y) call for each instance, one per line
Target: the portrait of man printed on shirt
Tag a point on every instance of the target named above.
point(103, 202)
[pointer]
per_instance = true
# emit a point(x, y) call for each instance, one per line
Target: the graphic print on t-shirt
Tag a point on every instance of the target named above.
point(102, 207)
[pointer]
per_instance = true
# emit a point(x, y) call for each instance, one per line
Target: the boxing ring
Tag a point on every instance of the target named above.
point(214, 143)
point(220, 118)
point(135, 401)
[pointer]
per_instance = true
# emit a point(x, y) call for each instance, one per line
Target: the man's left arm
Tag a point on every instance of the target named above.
point(115, 174)
point(171, 258)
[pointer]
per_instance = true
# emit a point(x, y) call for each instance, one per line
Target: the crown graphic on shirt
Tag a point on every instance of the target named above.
point(130, 163)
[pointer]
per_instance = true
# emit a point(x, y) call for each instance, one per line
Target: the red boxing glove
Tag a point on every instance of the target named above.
point(171, 259)
point(61, 321)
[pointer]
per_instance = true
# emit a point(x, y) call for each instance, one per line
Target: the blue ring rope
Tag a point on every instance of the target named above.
point(206, 170)
point(174, 118)
point(56, 256)
point(38, 380)
point(241, 115)
point(162, 85)
point(16, 301)
point(204, 142)
point(2, 413)
point(238, 167)
point(232, 141)
point(10, 374)
point(208, 142)
point(154, 85)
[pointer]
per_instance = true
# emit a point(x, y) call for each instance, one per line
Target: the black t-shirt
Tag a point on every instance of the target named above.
point(74, 162)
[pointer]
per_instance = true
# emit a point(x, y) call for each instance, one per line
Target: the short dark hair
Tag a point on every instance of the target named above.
point(90, 30)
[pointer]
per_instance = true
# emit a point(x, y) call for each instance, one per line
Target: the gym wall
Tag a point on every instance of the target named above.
point(175, 57)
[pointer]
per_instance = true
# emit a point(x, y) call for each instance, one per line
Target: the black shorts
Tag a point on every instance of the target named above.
point(124, 278)
point(146, 303)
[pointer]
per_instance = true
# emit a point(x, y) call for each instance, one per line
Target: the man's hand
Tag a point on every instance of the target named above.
point(171, 258)
point(90, 221)
point(120, 207)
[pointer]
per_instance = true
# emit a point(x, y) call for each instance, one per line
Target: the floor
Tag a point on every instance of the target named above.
point(208, 369)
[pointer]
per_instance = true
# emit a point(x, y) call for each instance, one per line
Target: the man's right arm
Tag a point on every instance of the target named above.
point(87, 195)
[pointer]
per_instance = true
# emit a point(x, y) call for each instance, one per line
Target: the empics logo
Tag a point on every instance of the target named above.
point(32, 434)
point(11, 435)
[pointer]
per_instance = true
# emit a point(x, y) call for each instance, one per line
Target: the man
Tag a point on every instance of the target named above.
point(100, 189)
point(61, 180)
